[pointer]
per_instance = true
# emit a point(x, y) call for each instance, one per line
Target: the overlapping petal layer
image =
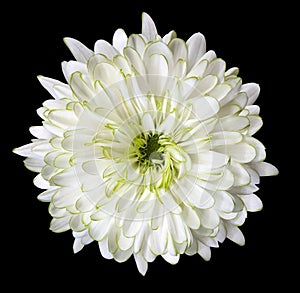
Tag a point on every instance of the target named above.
point(148, 148)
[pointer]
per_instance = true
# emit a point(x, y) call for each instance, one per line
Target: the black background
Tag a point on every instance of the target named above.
point(251, 36)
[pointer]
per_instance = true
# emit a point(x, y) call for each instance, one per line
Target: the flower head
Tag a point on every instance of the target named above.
point(148, 148)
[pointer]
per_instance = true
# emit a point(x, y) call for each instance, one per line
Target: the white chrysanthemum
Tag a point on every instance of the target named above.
point(148, 148)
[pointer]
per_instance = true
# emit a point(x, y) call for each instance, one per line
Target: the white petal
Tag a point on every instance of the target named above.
point(105, 48)
point(107, 73)
point(157, 65)
point(168, 124)
point(255, 124)
point(35, 164)
point(232, 71)
point(196, 48)
point(220, 92)
point(169, 37)
point(40, 132)
point(206, 84)
point(252, 202)
point(141, 263)
point(241, 176)
point(77, 246)
point(204, 107)
point(76, 221)
point(158, 240)
point(63, 118)
point(135, 60)
point(225, 138)
point(24, 150)
point(158, 48)
point(124, 242)
point(132, 227)
point(192, 194)
point(242, 152)
point(209, 56)
point(172, 259)
point(216, 67)
point(169, 203)
point(57, 89)
point(59, 225)
point(190, 217)
point(103, 247)
point(224, 201)
point(204, 251)
point(209, 218)
point(65, 197)
point(177, 228)
point(259, 147)
point(209, 161)
point(252, 90)
point(198, 69)
point(47, 195)
point(119, 40)
point(233, 123)
point(148, 27)
point(224, 183)
point(40, 182)
point(70, 67)
point(137, 42)
point(265, 169)
point(209, 240)
point(99, 229)
point(147, 122)
point(158, 70)
point(234, 234)
point(179, 49)
point(121, 256)
point(253, 109)
point(79, 51)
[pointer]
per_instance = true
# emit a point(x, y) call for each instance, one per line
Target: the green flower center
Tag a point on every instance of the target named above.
point(148, 150)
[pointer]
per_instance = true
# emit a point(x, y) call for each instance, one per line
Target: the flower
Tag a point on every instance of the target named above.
point(148, 149)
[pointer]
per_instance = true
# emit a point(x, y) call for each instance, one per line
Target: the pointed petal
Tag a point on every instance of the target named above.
point(148, 27)
point(57, 89)
point(234, 234)
point(265, 169)
point(79, 51)
point(141, 263)
point(77, 246)
point(104, 250)
point(196, 48)
point(204, 251)
point(169, 37)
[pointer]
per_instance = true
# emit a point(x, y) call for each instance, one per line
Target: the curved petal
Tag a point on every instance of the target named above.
point(79, 51)
point(119, 40)
point(148, 27)
point(196, 48)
